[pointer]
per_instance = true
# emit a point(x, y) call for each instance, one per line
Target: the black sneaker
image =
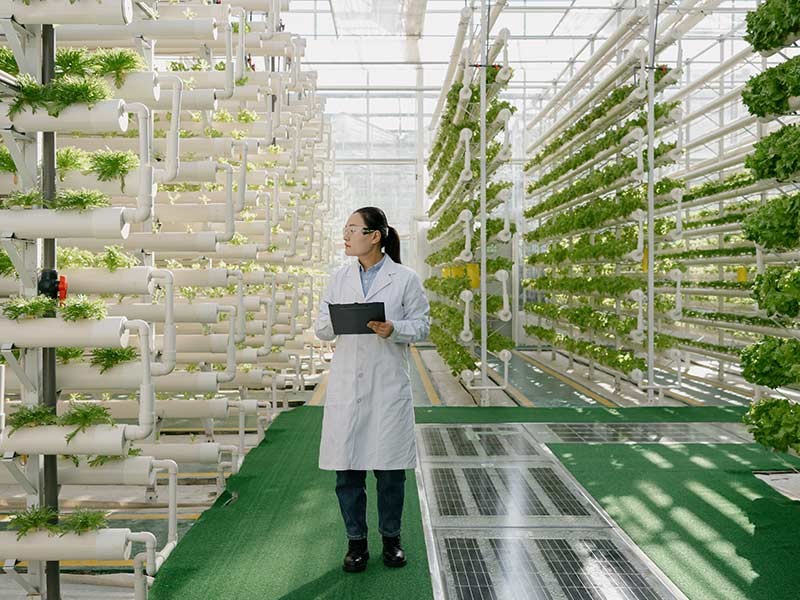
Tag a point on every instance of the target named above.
point(357, 556)
point(393, 555)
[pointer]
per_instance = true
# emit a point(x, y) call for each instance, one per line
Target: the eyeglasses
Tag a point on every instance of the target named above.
point(350, 230)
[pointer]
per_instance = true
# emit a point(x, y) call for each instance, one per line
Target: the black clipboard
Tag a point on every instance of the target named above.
point(352, 319)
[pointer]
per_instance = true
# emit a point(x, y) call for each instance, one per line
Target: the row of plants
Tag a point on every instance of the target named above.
point(82, 416)
point(728, 317)
point(613, 286)
point(116, 63)
point(450, 215)
point(106, 165)
point(772, 362)
point(586, 318)
point(452, 321)
point(776, 156)
point(452, 250)
point(601, 109)
point(454, 354)
point(589, 247)
point(775, 423)
point(613, 137)
point(595, 181)
point(74, 308)
point(45, 518)
point(590, 215)
point(619, 360)
point(777, 291)
point(80, 200)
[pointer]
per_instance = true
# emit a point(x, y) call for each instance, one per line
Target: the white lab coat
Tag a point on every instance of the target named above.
point(369, 416)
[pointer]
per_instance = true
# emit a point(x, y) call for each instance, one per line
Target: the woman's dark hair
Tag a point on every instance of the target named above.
point(375, 219)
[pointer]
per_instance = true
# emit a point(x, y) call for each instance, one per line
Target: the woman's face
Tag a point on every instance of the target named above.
point(356, 241)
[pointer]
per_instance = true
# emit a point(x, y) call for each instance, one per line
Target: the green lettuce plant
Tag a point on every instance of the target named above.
point(776, 156)
point(775, 423)
point(773, 362)
point(772, 24)
point(776, 225)
point(768, 93)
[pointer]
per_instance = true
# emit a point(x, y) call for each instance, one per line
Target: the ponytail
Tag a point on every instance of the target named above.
point(391, 244)
point(375, 219)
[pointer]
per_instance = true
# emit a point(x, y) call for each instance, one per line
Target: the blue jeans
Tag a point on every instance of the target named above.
point(351, 489)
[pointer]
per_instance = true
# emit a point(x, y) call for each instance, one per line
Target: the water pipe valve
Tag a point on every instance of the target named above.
point(53, 285)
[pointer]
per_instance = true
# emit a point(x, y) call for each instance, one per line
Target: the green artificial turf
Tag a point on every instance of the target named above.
point(649, 414)
point(697, 510)
point(283, 536)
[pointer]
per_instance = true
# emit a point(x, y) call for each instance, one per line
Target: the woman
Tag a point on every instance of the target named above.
point(369, 417)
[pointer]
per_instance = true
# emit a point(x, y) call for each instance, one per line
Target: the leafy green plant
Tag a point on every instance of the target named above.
point(772, 362)
point(108, 358)
point(82, 521)
point(776, 156)
point(453, 353)
point(65, 354)
point(29, 308)
point(70, 159)
point(777, 291)
point(247, 116)
point(102, 459)
point(772, 23)
point(78, 308)
point(8, 62)
point(6, 266)
point(33, 519)
point(774, 423)
point(73, 61)
point(114, 258)
point(58, 94)
point(84, 415)
point(110, 165)
point(776, 225)
point(31, 416)
point(80, 200)
point(117, 63)
point(7, 164)
point(614, 286)
point(30, 199)
point(68, 90)
point(768, 93)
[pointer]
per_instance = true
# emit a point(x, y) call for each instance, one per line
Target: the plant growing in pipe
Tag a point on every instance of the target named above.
point(101, 459)
point(116, 63)
point(29, 308)
point(108, 358)
point(30, 416)
point(78, 308)
point(83, 416)
point(64, 355)
point(110, 165)
point(36, 518)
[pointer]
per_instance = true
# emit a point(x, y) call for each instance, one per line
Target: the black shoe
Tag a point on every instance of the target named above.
point(393, 555)
point(357, 556)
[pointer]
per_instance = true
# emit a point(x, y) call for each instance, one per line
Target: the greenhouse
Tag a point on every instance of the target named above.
point(399, 300)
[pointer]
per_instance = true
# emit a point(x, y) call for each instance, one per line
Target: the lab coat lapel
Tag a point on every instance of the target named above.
point(353, 281)
point(383, 278)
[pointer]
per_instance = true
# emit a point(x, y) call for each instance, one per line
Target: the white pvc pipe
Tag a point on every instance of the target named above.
point(216, 408)
point(51, 439)
point(130, 281)
point(43, 333)
point(84, 34)
point(200, 312)
point(105, 544)
point(58, 12)
point(35, 223)
point(107, 116)
point(136, 87)
point(131, 470)
point(201, 277)
point(204, 452)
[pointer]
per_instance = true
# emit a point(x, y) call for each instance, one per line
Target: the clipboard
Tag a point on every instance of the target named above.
point(352, 319)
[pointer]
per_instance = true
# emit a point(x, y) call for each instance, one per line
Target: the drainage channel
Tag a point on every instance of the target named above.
point(505, 521)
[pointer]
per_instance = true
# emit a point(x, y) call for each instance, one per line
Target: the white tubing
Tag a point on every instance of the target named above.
point(136, 87)
point(43, 333)
point(132, 470)
point(58, 12)
point(134, 280)
point(105, 544)
point(51, 439)
point(200, 277)
point(199, 312)
point(206, 452)
point(41, 222)
point(169, 409)
point(107, 116)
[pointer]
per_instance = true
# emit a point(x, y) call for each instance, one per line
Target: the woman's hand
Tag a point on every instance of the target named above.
point(382, 328)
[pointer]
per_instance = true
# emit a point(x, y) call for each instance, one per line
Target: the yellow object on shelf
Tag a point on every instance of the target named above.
point(741, 274)
point(447, 272)
point(644, 260)
point(474, 274)
point(458, 271)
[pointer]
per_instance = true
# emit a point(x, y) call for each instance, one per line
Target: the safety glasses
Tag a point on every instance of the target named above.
point(350, 230)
